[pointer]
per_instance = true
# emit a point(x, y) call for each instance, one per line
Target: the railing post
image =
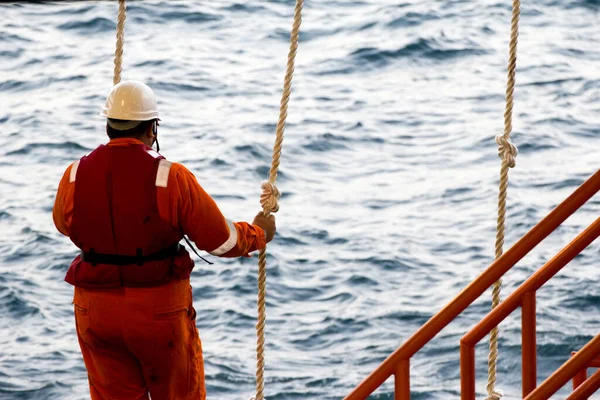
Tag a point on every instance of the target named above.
point(467, 371)
point(582, 375)
point(579, 379)
point(402, 381)
point(529, 349)
point(567, 371)
point(587, 387)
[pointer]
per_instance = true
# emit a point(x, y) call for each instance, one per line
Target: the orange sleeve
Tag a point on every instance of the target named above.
point(185, 204)
point(62, 212)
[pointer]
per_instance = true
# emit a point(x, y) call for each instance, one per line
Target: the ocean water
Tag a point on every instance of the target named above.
point(389, 173)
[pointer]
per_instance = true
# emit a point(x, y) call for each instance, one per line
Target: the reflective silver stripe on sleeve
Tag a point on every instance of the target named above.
point(162, 175)
point(73, 171)
point(229, 243)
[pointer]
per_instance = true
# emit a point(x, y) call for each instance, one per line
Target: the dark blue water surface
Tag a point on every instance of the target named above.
point(389, 171)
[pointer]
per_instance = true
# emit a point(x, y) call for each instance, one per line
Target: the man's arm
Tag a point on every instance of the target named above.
point(62, 212)
point(191, 208)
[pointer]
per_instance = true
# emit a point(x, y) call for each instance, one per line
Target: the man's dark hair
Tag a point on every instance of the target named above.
point(134, 132)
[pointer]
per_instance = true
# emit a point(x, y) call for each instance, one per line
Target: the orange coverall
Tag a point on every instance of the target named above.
point(140, 341)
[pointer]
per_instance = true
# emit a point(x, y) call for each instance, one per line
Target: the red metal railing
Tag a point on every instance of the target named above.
point(523, 296)
point(582, 386)
point(581, 376)
point(569, 370)
point(587, 388)
point(398, 363)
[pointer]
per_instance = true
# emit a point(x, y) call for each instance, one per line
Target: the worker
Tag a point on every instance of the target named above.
point(127, 208)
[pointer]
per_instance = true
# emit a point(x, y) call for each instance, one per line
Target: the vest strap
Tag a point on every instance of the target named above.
point(118, 259)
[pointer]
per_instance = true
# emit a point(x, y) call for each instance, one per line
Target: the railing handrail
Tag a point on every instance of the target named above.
point(532, 284)
point(472, 292)
point(523, 296)
point(595, 363)
point(587, 388)
point(567, 371)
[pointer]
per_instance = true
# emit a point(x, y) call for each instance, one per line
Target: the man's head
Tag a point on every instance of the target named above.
point(131, 111)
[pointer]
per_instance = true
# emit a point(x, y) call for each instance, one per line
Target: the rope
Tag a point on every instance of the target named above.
point(507, 152)
point(120, 40)
point(269, 198)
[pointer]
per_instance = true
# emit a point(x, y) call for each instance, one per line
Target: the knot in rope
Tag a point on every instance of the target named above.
point(495, 395)
point(507, 151)
point(269, 197)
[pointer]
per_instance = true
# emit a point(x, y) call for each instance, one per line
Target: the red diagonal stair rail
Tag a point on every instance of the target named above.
point(523, 296)
point(398, 363)
point(581, 376)
point(587, 388)
point(567, 371)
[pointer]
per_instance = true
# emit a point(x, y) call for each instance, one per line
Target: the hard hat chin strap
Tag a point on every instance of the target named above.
point(155, 131)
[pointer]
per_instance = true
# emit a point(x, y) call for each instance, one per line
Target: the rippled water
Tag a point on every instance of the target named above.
point(389, 171)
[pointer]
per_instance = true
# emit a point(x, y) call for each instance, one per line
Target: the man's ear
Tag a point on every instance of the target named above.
point(150, 131)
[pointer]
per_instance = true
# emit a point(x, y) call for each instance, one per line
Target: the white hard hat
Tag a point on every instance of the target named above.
point(132, 101)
